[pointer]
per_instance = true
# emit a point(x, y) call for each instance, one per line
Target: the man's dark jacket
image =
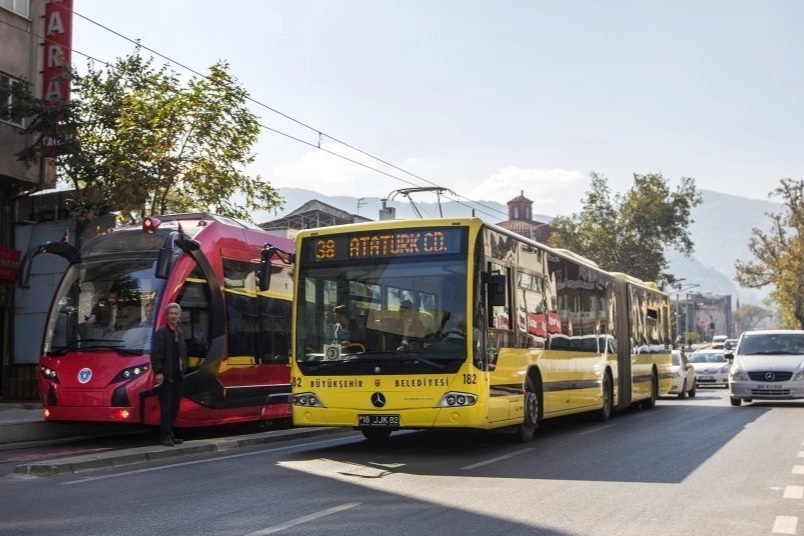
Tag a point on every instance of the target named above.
point(163, 355)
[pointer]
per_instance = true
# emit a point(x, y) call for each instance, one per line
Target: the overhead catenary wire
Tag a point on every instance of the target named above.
point(320, 134)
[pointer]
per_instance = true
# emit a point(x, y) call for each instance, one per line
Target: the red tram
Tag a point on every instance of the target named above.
point(234, 284)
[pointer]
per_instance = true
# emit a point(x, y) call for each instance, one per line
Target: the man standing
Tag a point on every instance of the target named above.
point(169, 362)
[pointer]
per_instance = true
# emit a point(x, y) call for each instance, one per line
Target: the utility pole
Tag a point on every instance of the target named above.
point(679, 289)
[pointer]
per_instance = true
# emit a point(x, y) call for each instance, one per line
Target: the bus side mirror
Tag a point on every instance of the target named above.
point(497, 288)
point(164, 263)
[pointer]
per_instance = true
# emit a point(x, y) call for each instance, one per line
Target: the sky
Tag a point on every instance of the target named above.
point(492, 98)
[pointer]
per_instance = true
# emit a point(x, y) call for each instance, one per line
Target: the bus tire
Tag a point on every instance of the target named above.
point(533, 405)
point(607, 392)
point(376, 435)
point(650, 403)
point(735, 401)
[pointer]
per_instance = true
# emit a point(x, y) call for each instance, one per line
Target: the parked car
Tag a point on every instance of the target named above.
point(683, 376)
point(711, 367)
point(768, 365)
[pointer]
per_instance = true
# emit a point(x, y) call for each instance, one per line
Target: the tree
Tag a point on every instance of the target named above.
point(630, 232)
point(779, 255)
point(137, 140)
point(749, 316)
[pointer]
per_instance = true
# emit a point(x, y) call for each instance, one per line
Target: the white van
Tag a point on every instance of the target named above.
point(767, 365)
point(718, 341)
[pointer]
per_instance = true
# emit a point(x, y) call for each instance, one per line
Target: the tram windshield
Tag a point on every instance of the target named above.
point(105, 305)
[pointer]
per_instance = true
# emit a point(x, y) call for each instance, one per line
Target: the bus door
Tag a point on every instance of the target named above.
point(506, 362)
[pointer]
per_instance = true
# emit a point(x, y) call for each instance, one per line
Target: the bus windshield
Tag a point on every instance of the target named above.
point(397, 310)
point(104, 305)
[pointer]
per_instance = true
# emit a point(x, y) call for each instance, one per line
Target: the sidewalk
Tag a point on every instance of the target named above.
point(23, 421)
point(20, 422)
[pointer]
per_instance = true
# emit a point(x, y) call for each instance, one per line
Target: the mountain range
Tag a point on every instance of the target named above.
point(721, 228)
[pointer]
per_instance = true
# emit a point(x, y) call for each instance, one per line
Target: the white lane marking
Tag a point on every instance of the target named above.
point(303, 519)
point(785, 525)
point(493, 460)
point(793, 492)
point(798, 469)
point(595, 429)
point(801, 454)
point(195, 462)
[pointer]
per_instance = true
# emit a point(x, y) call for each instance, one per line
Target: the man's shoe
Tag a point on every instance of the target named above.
point(178, 441)
point(168, 442)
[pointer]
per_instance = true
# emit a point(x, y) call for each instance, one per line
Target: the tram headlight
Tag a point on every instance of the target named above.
point(309, 400)
point(130, 373)
point(456, 399)
point(49, 374)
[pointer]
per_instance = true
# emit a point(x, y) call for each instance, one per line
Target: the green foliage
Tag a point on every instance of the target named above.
point(749, 316)
point(138, 140)
point(630, 232)
point(779, 255)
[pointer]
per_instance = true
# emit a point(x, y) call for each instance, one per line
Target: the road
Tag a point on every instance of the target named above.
point(695, 466)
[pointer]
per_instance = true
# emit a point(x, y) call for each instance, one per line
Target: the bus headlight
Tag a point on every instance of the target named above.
point(456, 399)
point(307, 399)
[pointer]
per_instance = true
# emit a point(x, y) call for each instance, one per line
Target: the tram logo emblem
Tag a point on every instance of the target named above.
point(84, 375)
point(378, 400)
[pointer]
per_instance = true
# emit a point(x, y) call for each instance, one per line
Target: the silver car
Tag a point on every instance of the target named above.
point(768, 365)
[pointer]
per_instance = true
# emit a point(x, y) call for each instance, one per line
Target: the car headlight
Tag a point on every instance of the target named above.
point(798, 376)
point(725, 368)
point(738, 374)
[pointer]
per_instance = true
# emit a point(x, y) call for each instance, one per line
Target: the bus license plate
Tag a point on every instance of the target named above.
point(378, 420)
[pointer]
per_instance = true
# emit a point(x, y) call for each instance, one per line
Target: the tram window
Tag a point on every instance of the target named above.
point(273, 333)
point(195, 303)
point(239, 325)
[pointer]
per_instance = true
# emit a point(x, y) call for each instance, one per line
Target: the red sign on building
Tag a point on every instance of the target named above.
point(9, 263)
point(58, 50)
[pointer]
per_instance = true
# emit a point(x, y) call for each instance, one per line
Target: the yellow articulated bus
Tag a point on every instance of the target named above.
point(456, 323)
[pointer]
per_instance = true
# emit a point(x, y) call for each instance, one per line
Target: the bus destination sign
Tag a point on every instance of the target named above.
point(387, 244)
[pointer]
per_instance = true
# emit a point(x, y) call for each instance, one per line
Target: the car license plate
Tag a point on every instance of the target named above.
point(770, 386)
point(706, 378)
point(378, 420)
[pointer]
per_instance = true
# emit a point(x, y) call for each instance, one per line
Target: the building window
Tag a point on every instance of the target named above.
point(21, 7)
point(6, 83)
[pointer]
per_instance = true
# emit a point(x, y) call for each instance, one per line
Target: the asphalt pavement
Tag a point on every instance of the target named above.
point(22, 423)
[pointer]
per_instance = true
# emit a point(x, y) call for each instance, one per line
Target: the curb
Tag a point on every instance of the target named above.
point(123, 457)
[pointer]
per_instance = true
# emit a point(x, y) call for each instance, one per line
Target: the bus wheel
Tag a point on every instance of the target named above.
point(605, 412)
point(532, 400)
point(376, 434)
point(735, 401)
point(650, 403)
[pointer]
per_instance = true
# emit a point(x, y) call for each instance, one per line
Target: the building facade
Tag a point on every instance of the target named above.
point(520, 220)
point(35, 38)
